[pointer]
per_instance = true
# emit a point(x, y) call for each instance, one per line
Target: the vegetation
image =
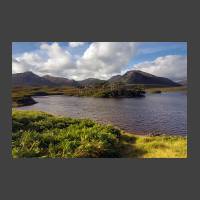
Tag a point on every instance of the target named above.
point(23, 100)
point(39, 134)
point(163, 146)
point(166, 89)
point(120, 92)
point(22, 96)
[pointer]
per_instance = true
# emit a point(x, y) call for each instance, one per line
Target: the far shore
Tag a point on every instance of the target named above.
point(24, 96)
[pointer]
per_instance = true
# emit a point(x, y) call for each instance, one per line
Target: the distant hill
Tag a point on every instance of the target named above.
point(59, 81)
point(140, 77)
point(91, 82)
point(114, 79)
point(31, 79)
point(130, 77)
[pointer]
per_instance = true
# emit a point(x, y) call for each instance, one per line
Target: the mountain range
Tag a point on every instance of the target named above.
point(131, 77)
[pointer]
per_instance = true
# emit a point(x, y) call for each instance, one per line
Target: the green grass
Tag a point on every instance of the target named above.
point(39, 134)
point(153, 146)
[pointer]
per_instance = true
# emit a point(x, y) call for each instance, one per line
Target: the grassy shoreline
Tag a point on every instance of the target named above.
point(39, 134)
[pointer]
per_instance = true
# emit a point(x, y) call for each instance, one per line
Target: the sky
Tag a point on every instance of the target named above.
point(81, 60)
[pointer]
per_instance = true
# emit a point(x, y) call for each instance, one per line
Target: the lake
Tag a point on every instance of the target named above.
point(156, 113)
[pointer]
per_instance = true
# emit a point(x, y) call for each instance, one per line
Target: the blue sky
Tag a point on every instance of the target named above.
point(151, 50)
point(141, 53)
point(147, 50)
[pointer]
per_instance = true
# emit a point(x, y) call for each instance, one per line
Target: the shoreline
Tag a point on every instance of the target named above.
point(136, 133)
point(32, 125)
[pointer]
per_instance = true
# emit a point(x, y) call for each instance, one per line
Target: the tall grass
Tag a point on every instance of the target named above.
point(38, 134)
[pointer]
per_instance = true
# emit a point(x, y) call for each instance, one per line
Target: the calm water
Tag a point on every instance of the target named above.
point(165, 113)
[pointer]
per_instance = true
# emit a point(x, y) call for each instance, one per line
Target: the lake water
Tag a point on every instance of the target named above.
point(155, 113)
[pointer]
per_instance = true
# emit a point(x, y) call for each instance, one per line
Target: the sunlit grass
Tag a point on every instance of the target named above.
point(154, 146)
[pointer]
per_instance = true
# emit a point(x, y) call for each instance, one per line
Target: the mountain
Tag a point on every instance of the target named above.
point(130, 77)
point(140, 77)
point(59, 81)
point(31, 79)
point(114, 79)
point(91, 82)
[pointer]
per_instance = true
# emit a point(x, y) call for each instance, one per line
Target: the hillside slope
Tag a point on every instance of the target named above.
point(139, 77)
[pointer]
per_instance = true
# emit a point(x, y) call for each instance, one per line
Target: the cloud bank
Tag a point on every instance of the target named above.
point(171, 66)
point(100, 60)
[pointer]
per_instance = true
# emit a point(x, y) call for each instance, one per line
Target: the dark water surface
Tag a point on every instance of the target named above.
point(164, 113)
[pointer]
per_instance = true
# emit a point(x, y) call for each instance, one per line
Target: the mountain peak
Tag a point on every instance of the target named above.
point(138, 72)
point(144, 78)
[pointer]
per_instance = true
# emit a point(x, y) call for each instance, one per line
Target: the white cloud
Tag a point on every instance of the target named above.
point(171, 66)
point(76, 44)
point(49, 59)
point(100, 60)
point(17, 67)
point(104, 59)
point(58, 60)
